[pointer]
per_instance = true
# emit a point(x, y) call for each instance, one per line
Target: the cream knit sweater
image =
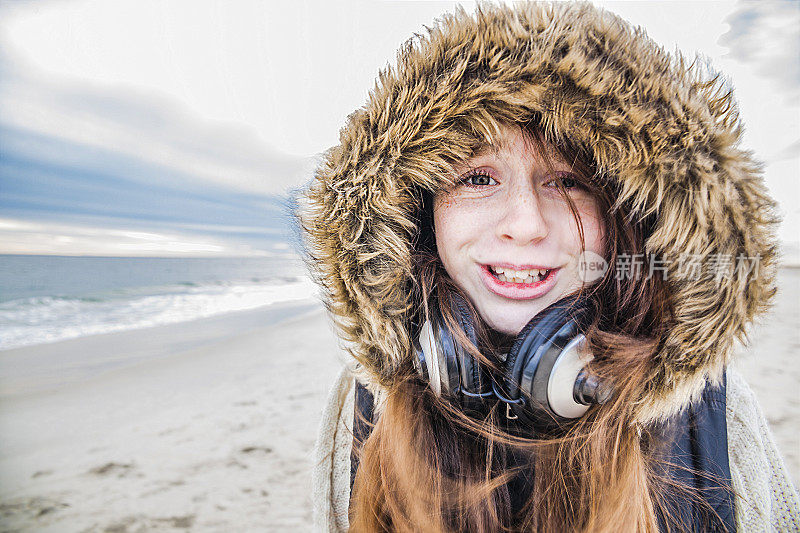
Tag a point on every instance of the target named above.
point(766, 499)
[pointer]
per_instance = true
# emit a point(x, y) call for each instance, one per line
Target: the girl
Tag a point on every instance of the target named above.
point(539, 241)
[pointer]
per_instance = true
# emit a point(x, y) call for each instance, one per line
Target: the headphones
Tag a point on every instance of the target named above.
point(544, 382)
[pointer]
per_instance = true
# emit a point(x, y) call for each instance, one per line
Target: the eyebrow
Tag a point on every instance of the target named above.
point(487, 148)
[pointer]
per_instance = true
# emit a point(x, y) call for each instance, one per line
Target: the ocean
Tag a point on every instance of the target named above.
point(50, 298)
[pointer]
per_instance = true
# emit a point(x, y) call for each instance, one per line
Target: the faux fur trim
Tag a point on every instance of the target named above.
point(665, 129)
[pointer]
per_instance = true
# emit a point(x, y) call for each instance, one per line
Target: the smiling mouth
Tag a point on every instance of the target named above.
point(521, 277)
point(518, 283)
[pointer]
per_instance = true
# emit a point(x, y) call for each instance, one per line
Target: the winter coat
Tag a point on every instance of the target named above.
point(663, 128)
point(765, 497)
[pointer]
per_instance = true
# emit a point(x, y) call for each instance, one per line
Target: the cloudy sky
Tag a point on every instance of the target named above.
point(181, 127)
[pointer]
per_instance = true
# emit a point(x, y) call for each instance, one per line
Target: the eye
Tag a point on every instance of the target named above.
point(568, 181)
point(477, 178)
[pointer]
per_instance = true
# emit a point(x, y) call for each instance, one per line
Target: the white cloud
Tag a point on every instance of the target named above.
point(790, 151)
point(766, 34)
point(26, 237)
point(291, 71)
point(149, 127)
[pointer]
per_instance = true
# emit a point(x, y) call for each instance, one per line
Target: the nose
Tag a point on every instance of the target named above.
point(523, 220)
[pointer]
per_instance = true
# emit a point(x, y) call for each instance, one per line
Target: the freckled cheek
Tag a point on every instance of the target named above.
point(445, 227)
point(454, 227)
point(562, 223)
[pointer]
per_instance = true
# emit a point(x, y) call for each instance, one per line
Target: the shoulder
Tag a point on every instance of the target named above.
point(331, 470)
point(765, 497)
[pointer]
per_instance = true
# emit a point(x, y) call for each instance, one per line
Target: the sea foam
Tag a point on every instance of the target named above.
point(43, 319)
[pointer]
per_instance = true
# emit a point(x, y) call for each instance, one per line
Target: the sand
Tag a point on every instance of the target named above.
point(209, 425)
point(215, 437)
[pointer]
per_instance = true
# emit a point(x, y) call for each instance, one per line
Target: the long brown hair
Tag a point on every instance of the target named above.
point(426, 466)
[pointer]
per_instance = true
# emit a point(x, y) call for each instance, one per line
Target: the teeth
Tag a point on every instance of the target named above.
point(519, 276)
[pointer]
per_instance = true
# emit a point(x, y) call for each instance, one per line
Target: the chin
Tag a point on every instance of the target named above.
point(509, 323)
point(509, 318)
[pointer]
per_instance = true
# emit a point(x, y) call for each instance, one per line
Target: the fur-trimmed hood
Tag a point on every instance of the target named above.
point(665, 131)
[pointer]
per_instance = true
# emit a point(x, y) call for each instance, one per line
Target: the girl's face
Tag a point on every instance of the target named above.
point(506, 235)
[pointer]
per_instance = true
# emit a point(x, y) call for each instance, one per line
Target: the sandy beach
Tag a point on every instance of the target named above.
point(215, 437)
point(209, 425)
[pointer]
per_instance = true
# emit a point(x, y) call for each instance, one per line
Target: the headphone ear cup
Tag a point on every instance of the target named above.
point(445, 362)
point(534, 355)
point(474, 377)
point(541, 328)
point(561, 382)
point(437, 360)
